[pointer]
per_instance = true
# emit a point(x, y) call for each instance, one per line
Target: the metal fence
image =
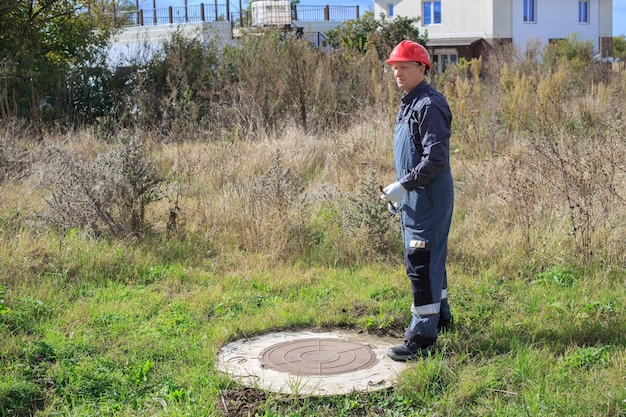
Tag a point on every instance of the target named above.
point(221, 12)
point(173, 15)
point(326, 13)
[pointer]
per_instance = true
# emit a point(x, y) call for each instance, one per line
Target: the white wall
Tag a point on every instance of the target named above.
point(502, 19)
point(407, 8)
point(140, 42)
point(464, 18)
point(317, 25)
point(606, 18)
point(555, 19)
point(460, 18)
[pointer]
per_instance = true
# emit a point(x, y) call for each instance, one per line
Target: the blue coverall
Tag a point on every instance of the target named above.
point(422, 164)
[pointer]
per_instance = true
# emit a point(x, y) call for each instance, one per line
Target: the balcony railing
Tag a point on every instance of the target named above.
point(221, 12)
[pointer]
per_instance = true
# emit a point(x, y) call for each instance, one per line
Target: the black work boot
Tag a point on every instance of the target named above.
point(408, 350)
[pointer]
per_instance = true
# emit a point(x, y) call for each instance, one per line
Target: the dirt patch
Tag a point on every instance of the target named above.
point(241, 402)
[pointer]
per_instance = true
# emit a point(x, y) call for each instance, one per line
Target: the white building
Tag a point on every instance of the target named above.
point(144, 31)
point(467, 28)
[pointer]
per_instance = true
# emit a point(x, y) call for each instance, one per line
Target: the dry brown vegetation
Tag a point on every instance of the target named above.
point(128, 255)
point(538, 158)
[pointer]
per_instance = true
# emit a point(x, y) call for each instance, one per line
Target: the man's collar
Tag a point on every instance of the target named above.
point(408, 97)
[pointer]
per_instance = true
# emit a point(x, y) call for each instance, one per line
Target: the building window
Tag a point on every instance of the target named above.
point(390, 9)
point(443, 59)
point(583, 11)
point(529, 11)
point(431, 13)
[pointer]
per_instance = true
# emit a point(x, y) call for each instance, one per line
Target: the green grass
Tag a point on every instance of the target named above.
point(112, 330)
point(113, 327)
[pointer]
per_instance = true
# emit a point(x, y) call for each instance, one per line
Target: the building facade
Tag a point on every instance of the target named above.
point(469, 28)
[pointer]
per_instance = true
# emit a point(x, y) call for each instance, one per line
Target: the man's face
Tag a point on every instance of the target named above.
point(408, 74)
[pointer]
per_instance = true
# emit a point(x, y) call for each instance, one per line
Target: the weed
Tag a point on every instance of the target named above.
point(584, 357)
point(26, 315)
point(19, 397)
point(108, 195)
point(563, 277)
point(3, 308)
point(365, 218)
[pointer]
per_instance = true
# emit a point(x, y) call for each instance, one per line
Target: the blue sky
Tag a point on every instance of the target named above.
point(619, 8)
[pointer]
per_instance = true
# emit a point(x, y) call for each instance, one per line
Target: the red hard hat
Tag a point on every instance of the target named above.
point(409, 51)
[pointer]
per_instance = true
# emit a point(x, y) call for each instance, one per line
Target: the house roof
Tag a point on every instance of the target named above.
point(453, 41)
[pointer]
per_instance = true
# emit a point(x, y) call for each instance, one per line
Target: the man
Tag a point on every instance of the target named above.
point(423, 194)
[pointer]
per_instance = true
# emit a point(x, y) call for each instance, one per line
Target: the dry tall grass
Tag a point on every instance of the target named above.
point(538, 158)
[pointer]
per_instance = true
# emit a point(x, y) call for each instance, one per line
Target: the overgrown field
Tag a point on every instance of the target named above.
point(126, 262)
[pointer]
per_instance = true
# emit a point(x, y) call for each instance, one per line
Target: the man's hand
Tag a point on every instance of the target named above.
point(393, 208)
point(393, 192)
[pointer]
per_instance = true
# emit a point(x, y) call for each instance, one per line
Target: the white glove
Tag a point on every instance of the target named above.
point(393, 192)
point(393, 208)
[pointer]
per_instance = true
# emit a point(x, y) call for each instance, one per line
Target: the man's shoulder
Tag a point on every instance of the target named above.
point(435, 95)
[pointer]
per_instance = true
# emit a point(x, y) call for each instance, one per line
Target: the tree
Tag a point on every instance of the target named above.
point(179, 83)
point(40, 41)
point(619, 47)
point(353, 35)
point(359, 35)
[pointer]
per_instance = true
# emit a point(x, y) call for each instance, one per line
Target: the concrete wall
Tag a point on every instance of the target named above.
point(502, 19)
point(136, 42)
point(463, 18)
point(140, 42)
point(557, 19)
point(317, 26)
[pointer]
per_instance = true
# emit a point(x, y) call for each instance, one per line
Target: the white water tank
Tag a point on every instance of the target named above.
point(271, 13)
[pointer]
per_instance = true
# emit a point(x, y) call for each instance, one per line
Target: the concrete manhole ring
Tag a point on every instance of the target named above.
point(311, 363)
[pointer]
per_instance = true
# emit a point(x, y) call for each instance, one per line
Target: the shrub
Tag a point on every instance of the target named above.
point(271, 219)
point(107, 196)
point(13, 161)
point(365, 218)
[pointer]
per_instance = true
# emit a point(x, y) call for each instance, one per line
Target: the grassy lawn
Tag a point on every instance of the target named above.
point(127, 261)
point(128, 336)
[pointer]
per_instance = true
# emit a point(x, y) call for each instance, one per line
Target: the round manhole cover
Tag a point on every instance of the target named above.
point(318, 357)
point(311, 363)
